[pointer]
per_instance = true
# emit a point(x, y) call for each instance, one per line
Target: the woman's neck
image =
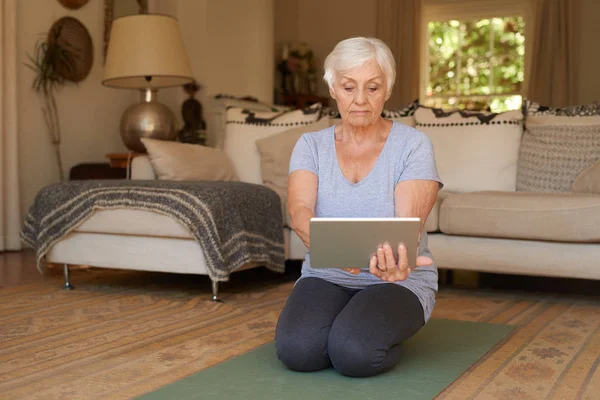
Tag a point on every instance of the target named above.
point(375, 132)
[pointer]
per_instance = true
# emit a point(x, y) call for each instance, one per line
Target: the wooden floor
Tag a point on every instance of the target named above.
point(121, 334)
point(18, 267)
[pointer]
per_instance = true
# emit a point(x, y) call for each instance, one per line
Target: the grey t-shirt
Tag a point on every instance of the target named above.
point(406, 155)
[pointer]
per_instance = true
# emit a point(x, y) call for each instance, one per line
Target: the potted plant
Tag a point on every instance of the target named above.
point(53, 62)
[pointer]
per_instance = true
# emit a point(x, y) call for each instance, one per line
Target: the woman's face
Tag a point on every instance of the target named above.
point(361, 94)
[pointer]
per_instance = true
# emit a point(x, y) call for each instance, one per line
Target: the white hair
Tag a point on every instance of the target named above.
point(355, 52)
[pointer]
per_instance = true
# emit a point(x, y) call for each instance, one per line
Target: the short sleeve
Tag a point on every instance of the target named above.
point(304, 156)
point(419, 162)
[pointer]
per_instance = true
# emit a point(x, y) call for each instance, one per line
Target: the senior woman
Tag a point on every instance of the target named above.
point(356, 319)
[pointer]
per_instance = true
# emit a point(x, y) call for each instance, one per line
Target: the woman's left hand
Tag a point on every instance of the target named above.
point(384, 265)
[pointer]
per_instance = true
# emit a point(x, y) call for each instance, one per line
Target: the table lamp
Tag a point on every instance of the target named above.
point(146, 52)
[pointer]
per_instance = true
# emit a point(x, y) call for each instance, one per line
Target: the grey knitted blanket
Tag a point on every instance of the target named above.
point(234, 222)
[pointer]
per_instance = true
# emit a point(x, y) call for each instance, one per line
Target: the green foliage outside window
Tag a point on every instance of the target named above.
point(476, 64)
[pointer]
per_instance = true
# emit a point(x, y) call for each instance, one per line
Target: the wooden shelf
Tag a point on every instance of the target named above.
point(120, 160)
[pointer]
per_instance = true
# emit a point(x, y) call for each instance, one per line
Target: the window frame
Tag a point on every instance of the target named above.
point(445, 10)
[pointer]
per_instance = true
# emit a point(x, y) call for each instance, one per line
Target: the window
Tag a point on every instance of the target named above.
point(474, 61)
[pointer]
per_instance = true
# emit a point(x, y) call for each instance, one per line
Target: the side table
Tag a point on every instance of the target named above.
point(96, 171)
point(122, 160)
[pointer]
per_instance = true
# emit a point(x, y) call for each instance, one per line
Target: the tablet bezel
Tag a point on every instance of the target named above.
point(342, 242)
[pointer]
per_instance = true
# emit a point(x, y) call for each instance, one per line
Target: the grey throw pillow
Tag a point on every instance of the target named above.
point(557, 145)
point(589, 180)
point(551, 157)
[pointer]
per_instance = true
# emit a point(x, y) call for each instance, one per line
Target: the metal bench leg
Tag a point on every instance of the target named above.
point(215, 291)
point(68, 285)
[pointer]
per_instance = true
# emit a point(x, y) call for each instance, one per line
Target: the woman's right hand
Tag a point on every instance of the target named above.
point(387, 268)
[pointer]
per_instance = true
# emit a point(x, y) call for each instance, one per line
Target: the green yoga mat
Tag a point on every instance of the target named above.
point(437, 355)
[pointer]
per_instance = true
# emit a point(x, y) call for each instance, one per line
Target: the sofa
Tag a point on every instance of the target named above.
point(522, 191)
point(521, 194)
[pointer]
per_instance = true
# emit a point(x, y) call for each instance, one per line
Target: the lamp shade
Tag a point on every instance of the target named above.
point(146, 51)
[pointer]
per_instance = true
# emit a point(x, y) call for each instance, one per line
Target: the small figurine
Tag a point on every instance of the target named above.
point(194, 129)
point(284, 69)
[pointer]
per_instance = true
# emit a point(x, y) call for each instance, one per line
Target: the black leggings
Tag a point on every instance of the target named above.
point(359, 332)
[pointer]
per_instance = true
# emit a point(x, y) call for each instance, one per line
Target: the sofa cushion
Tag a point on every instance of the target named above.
point(533, 108)
point(588, 181)
point(473, 151)
point(565, 217)
point(142, 169)
point(188, 162)
point(134, 222)
point(432, 224)
point(245, 127)
point(557, 145)
point(275, 153)
point(216, 114)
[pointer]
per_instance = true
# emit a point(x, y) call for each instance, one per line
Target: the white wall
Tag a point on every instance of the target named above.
point(89, 113)
point(240, 48)
point(230, 45)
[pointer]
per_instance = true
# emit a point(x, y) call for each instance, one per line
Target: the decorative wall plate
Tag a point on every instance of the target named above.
point(74, 37)
point(73, 4)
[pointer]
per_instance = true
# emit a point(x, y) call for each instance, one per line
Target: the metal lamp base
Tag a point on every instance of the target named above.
point(148, 119)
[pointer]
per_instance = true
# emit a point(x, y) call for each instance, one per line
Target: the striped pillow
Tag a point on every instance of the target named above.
point(244, 127)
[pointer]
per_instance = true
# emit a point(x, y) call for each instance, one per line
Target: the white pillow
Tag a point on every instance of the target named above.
point(245, 127)
point(474, 151)
point(188, 162)
point(276, 152)
point(216, 115)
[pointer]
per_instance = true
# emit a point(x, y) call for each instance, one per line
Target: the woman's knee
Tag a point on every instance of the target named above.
point(305, 353)
point(303, 326)
point(355, 357)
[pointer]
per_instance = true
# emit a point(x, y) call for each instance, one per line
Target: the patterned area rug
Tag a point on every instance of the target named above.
point(121, 334)
point(553, 353)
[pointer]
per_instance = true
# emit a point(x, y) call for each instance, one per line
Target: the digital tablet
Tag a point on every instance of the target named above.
point(350, 242)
